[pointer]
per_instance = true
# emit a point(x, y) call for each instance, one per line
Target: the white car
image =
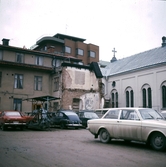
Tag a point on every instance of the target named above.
point(131, 124)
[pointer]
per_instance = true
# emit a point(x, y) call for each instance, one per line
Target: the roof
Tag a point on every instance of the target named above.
point(147, 59)
point(36, 52)
point(23, 65)
point(103, 64)
point(43, 39)
point(63, 36)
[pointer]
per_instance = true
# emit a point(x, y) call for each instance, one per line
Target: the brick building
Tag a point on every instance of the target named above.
point(73, 80)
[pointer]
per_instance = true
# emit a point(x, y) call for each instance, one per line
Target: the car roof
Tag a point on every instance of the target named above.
point(64, 111)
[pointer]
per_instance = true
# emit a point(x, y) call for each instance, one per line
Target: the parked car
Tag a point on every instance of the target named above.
point(66, 118)
point(86, 115)
point(131, 124)
point(12, 119)
point(100, 112)
point(163, 114)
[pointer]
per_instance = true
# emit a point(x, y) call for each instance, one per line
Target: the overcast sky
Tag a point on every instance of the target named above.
point(129, 26)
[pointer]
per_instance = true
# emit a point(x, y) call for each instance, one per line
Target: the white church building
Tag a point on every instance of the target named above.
point(136, 81)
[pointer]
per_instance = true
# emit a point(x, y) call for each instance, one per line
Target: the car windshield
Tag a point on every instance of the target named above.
point(150, 114)
point(12, 113)
point(90, 115)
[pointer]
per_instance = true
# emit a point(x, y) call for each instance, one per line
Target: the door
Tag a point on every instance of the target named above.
point(129, 125)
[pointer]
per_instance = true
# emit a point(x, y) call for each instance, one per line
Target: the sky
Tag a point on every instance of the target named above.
point(129, 26)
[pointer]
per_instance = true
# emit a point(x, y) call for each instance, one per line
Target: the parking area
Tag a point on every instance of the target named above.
point(71, 147)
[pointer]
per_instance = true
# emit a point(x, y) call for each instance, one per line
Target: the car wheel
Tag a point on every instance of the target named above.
point(3, 127)
point(62, 125)
point(104, 136)
point(158, 141)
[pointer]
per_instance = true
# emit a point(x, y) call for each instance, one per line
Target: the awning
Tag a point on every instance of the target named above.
point(42, 98)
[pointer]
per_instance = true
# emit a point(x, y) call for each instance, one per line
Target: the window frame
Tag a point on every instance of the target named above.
point(39, 60)
point(17, 103)
point(19, 57)
point(18, 81)
point(38, 83)
point(114, 98)
point(67, 49)
point(56, 83)
point(129, 97)
point(163, 95)
point(146, 96)
point(80, 52)
point(92, 54)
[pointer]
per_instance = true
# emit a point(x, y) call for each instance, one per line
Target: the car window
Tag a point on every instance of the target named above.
point(112, 114)
point(129, 115)
point(12, 113)
point(90, 115)
point(59, 114)
point(81, 115)
point(150, 114)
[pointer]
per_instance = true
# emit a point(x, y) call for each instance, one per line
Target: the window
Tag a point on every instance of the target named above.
point(38, 83)
point(17, 104)
point(67, 49)
point(19, 57)
point(129, 115)
point(129, 97)
point(0, 78)
point(0, 54)
point(102, 88)
point(80, 52)
point(146, 96)
point(39, 60)
point(56, 83)
point(18, 81)
point(114, 96)
point(163, 95)
point(112, 114)
point(92, 54)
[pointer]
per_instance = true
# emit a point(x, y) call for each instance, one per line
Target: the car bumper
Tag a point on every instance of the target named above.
point(14, 123)
point(74, 125)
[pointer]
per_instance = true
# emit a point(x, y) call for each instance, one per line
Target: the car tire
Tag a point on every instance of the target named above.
point(104, 136)
point(62, 125)
point(158, 141)
point(4, 127)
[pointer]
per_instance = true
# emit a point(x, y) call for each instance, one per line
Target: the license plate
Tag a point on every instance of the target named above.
point(15, 122)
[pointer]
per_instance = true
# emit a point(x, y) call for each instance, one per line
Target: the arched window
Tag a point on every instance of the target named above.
point(146, 96)
point(114, 97)
point(163, 94)
point(129, 97)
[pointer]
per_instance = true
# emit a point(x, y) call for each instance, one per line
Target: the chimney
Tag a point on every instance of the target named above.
point(164, 41)
point(5, 42)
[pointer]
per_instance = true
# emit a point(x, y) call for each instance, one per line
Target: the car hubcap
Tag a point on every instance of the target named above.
point(158, 141)
point(104, 135)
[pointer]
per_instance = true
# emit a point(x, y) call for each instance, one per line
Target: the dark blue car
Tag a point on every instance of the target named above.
point(67, 118)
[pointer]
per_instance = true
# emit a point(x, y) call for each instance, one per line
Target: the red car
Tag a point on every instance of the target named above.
point(12, 119)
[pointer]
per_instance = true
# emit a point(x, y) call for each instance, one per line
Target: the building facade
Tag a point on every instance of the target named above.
point(26, 74)
point(65, 45)
point(137, 81)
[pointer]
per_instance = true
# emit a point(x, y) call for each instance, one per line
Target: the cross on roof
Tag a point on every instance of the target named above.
point(114, 51)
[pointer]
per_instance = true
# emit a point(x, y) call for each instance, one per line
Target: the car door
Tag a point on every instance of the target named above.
point(129, 125)
point(58, 118)
point(110, 122)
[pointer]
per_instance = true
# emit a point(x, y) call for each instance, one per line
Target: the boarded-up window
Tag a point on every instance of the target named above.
point(76, 104)
point(79, 78)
